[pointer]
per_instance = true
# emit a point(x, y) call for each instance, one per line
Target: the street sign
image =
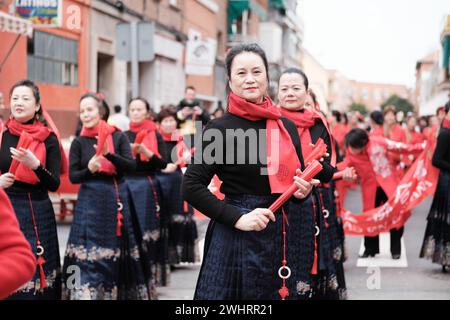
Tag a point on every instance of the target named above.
point(145, 41)
point(123, 41)
point(146, 35)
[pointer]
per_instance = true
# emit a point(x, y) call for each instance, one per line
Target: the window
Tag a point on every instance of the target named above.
point(53, 59)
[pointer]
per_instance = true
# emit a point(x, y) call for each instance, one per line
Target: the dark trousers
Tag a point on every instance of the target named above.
point(371, 244)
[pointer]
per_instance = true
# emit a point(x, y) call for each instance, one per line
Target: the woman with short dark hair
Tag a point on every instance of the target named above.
point(29, 173)
point(246, 255)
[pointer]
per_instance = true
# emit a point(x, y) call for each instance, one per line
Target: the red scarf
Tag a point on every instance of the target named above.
point(303, 119)
point(281, 165)
point(446, 123)
point(39, 133)
point(146, 134)
point(103, 132)
point(181, 147)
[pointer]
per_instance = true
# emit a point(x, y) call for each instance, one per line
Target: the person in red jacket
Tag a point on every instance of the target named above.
point(17, 262)
point(412, 137)
point(369, 156)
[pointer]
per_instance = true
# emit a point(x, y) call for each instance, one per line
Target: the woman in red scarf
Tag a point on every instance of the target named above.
point(436, 242)
point(182, 227)
point(412, 137)
point(395, 132)
point(17, 261)
point(369, 155)
point(102, 244)
point(255, 152)
point(30, 163)
point(145, 189)
point(293, 97)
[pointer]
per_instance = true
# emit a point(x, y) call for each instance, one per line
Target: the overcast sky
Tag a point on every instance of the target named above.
point(373, 40)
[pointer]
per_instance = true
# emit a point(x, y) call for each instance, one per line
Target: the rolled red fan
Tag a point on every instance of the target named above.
point(340, 175)
point(102, 135)
point(25, 141)
point(319, 151)
point(311, 170)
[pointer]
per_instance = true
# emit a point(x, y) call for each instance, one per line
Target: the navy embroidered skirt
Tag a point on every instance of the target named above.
point(436, 243)
point(335, 233)
point(145, 196)
point(182, 226)
point(326, 285)
point(108, 267)
point(46, 225)
point(241, 265)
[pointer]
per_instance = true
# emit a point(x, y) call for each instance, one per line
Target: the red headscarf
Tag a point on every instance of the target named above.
point(103, 132)
point(39, 132)
point(281, 165)
point(146, 134)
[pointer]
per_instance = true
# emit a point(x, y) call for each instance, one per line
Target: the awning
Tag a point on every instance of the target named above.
point(278, 4)
point(9, 23)
point(236, 7)
point(446, 52)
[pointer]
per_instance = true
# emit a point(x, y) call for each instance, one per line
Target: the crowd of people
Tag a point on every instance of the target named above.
point(142, 178)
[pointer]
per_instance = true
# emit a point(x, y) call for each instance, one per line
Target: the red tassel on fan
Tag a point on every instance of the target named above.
point(283, 292)
point(40, 263)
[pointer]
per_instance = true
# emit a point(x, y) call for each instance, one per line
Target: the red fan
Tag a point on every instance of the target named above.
point(311, 170)
point(25, 141)
point(340, 175)
point(319, 150)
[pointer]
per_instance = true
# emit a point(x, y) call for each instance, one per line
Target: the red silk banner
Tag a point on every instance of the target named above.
point(419, 182)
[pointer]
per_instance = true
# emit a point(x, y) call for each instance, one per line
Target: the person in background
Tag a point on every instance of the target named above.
point(369, 155)
point(376, 123)
point(102, 242)
point(119, 120)
point(422, 123)
point(188, 109)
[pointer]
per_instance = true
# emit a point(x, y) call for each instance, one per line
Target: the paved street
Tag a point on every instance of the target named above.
point(419, 280)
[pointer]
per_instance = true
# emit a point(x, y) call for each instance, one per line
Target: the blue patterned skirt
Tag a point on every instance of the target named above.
point(99, 265)
point(241, 265)
point(181, 226)
point(46, 225)
point(334, 231)
point(436, 243)
point(145, 196)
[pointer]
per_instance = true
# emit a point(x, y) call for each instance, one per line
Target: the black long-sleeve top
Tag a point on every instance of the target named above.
point(318, 130)
point(155, 163)
point(48, 175)
point(169, 148)
point(441, 156)
point(242, 177)
point(82, 150)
